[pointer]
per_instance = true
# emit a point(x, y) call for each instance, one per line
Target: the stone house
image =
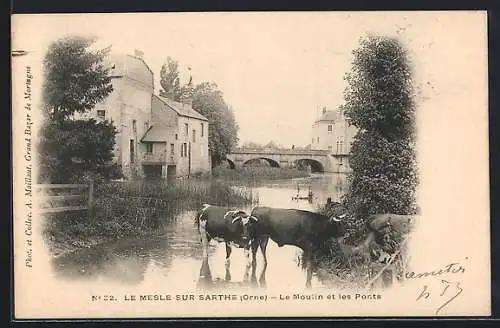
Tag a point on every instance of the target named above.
point(177, 140)
point(331, 132)
point(147, 124)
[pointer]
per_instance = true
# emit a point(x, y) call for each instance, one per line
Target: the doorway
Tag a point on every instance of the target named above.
point(152, 171)
point(171, 172)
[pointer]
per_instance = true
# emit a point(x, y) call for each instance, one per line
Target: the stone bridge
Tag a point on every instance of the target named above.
point(317, 160)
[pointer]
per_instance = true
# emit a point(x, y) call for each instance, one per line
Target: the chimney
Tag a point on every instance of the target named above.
point(324, 110)
point(138, 53)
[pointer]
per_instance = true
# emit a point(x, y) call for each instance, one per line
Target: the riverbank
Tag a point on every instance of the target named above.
point(136, 208)
point(253, 174)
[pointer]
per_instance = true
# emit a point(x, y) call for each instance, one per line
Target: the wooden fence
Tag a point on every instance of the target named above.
point(55, 194)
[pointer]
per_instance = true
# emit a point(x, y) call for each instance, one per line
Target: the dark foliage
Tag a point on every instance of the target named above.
point(379, 102)
point(72, 149)
point(75, 81)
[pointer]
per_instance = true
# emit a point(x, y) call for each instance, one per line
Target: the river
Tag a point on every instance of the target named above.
point(174, 257)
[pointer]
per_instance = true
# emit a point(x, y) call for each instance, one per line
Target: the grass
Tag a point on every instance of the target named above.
point(255, 174)
point(137, 208)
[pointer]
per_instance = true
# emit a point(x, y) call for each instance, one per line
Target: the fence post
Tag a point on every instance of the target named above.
point(90, 199)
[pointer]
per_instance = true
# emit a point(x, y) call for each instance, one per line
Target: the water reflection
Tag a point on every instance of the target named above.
point(174, 258)
point(207, 282)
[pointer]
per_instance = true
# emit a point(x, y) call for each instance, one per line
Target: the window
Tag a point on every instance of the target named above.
point(186, 129)
point(149, 147)
point(184, 150)
point(317, 140)
point(134, 126)
point(194, 135)
point(132, 151)
point(172, 149)
point(337, 147)
point(330, 128)
point(330, 149)
point(176, 136)
point(341, 146)
point(312, 140)
point(202, 130)
point(101, 114)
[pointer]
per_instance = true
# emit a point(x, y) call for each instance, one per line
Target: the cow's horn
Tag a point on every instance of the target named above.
point(236, 219)
point(339, 218)
point(253, 217)
point(335, 219)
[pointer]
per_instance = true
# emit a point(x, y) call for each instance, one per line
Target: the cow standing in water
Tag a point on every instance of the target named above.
point(303, 229)
point(225, 224)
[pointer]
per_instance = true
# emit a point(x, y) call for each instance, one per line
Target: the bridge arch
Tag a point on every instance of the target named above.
point(316, 166)
point(271, 162)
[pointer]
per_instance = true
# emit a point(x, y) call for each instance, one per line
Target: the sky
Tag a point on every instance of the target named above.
point(277, 70)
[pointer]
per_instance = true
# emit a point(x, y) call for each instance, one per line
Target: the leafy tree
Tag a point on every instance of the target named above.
point(223, 129)
point(75, 79)
point(251, 145)
point(76, 148)
point(379, 102)
point(272, 145)
point(169, 80)
point(207, 100)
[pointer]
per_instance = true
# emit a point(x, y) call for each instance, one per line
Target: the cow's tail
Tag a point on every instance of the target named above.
point(199, 214)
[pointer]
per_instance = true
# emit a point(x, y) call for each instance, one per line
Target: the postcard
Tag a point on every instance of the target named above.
point(250, 164)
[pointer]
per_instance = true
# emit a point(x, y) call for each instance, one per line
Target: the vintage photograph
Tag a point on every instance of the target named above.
point(257, 164)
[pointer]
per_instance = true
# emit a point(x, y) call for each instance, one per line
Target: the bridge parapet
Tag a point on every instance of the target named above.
point(280, 151)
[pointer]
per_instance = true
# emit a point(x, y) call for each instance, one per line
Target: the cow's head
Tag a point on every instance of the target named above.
point(243, 226)
point(337, 225)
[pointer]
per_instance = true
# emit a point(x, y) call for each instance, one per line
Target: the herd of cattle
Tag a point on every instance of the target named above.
point(300, 228)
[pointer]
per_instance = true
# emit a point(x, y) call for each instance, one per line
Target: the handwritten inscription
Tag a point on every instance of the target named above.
point(28, 190)
point(448, 291)
point(453, 268)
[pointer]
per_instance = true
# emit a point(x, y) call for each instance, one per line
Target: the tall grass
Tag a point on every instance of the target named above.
point(255, 174)
point(137, 207)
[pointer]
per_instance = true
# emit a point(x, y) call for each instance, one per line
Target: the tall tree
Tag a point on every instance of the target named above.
point(223, 129)
point(75, 78)
point(75, 81)
point(379, 102)
point(207, 100)
point(169, 80)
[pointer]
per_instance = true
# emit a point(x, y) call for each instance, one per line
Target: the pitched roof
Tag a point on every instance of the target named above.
point(329, 115)
point(182, 109)
point(158, 133)
point(133, 67)
point(159, 112)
